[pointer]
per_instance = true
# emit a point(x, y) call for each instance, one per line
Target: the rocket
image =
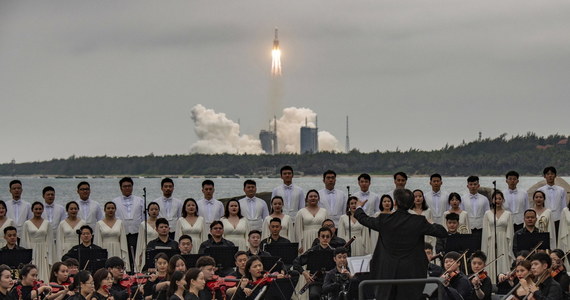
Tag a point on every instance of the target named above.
point(276, 41)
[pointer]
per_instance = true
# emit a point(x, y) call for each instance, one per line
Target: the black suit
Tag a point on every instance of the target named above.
point(399, 252)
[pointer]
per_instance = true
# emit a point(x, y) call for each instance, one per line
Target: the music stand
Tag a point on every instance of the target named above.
point(190, 259)
point(224, 256)
point(269, 261)
point(149, 263)
point(287, 251)
point(278, 289)
point(527, 241)
point(14, 258)
point(96, 258)
point(462, 242)
point(319, 260)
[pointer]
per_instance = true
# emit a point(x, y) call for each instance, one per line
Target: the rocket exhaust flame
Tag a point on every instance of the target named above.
point(276, 57)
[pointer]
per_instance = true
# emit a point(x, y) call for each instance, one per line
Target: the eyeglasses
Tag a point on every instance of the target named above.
point(217, 228)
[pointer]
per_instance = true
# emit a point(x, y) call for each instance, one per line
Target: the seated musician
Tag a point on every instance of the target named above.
point(275, 237)
point(433, 269)
point(6, 283)
point(86, 243)
point(452, 223)
point(335, 241)
point(240, 260)
point(119, 290)
point(529, 228)
point(525, 277)
point(185, 244)
point(315, 281)
point(457, 285)
point(558, 270)
point(338, 279)
point(163, 240)
point(256, 280)
point(254, 241)
point(11, 237)
point(157, 284)
point(216, 238)
point(59, 275)
point(72, 266)
point(545, 286)
point(481, 283)
point(25, 288)
point(507, 281)
point(207, 266)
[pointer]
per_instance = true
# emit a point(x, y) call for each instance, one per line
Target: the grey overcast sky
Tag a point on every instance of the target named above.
point(120, 77)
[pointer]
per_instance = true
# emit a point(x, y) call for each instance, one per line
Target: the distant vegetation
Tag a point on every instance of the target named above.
point(527, 154)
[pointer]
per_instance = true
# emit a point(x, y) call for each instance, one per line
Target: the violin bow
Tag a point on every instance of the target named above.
point(268, 272)
point(477, 273)
point(456, 261)
point(533, 250)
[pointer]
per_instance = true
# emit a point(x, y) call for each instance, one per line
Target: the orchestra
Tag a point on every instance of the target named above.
point(190, 267)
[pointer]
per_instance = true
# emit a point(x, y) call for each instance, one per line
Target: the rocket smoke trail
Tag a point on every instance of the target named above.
point(276, 85)
point(276, 57)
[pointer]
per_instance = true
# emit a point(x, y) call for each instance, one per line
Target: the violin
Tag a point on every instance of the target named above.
point(217, 282)
point(482, 275)
point(129, 280)
point(268, 278)
point(555, 273)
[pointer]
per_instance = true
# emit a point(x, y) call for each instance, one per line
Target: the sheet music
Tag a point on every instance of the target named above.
point(359, 264)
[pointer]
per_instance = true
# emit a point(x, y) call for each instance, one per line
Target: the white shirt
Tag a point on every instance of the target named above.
point(334, 201)
point(131, 211)
point(54, 214)
point(476, 206)
point(211, 210)
point(555, 199)
point(90, 212)
point(372, 206)
point(254, 210)
point(20, 211)
point(170, 209)
point(516, 201)
point(293, 198)
point(438, 204)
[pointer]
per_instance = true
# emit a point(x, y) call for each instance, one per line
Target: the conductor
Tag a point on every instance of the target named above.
point(399, 252)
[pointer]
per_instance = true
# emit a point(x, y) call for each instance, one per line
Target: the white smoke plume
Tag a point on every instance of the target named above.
point(218, 134)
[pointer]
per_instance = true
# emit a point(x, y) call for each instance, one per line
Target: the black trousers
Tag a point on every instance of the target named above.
point(132, 243)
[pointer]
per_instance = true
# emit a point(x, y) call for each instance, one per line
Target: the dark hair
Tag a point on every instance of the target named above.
point(391, 201)
point(328, 220)
point(70, 203)
point(285, 168)
point(83, 183)
point(86, 227)
point(428, 246)
point(8, 228)
point(204, 261)
point(54, 269)
point(25, 270)
point(114, 262)
point(340, 250)
point(254, 232)
point(2, 203)
point(216, 222)
point(452, 217)
point(159, 256)
point(79, 278)
point(249, 181)
point(530, 210)
point(184, 237)
point(537, 192)
point(227, 208)
point(271, 203)
point(404, 198)
point(239, 253)
point(193, 273)
point(275, 220)
point(543, 258)
point(172, 264)
point(479, 254)
point(151, 204)
point(173, 287)
point(525, 264)
point(15, 181)
point(184, 213)
point(5, 268)
point(424, 203)
point(161, 221)
point(47, 189)
point(99, 276)
point(323, 229)
point(401, 174)
point(327, 172)
point(452, 254)
point(472, 178)
point(348, 203)
point(166, 180)
point(558, 253)
point(207, 182)
point(512, 173)
point(453, 195)
point(71, 262)
point(549, 169)
point(109, 202)
point(125, 179)
point(248, 264)
point(364, 176)
point(434, 175)
point(36, 203)
point(312, 191)
point(494, 197)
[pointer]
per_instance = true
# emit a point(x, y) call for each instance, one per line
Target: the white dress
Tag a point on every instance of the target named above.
point(427, 213)
point(307, 226)
point(564, 233)
point(66, 238)
point(237, 235)
point(114, 239)
point(287, 230)
point(505, 232)
point(8, 222)
point(41, 241)
point(361, 245)
point(374, 236)
point(463, 222)
point(545, 223)
point(197, 232)
point(151, 234)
